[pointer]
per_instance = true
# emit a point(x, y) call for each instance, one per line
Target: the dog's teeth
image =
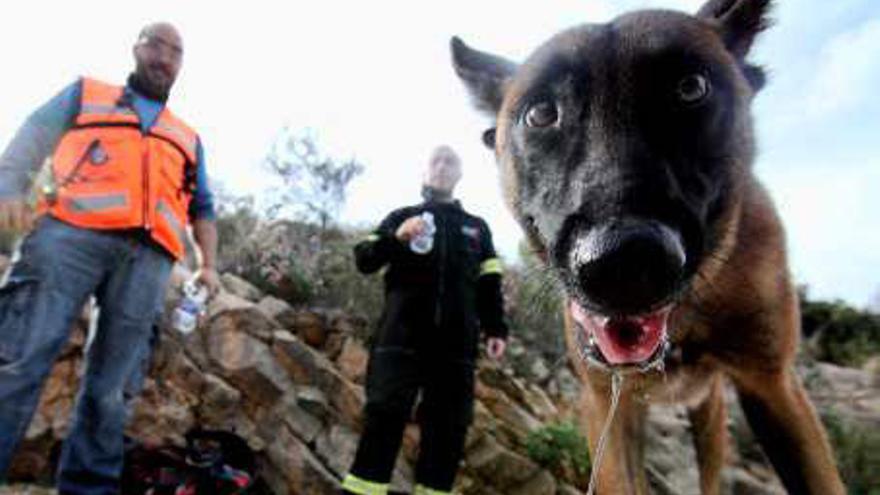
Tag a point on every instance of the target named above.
point(601, 321)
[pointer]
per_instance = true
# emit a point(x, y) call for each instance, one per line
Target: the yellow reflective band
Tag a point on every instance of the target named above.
point(372, 238)
point(363, 487)
point(424, 490)
point(491, 265)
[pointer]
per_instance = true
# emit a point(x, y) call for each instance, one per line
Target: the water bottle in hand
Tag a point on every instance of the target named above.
point(424, 242)
point(191, 306)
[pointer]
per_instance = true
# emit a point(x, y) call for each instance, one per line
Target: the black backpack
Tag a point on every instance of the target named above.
point(214, 462)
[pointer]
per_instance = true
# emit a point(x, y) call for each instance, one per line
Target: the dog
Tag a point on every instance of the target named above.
point(625, 151)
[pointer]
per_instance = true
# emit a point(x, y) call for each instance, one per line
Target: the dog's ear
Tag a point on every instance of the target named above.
point(485, 75)
point(739, 22)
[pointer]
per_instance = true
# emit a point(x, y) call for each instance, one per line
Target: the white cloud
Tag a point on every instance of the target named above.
point(848, 71)
point(830, 219)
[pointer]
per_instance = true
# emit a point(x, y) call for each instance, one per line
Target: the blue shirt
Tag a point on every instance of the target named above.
point(42, 131)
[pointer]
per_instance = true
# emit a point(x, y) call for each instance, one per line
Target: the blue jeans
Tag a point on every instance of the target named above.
point(58, 268)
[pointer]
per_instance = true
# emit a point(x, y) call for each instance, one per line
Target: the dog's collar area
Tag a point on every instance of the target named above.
point(589, 353)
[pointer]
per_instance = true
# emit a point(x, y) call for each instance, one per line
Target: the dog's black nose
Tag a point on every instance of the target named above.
point(627, 267)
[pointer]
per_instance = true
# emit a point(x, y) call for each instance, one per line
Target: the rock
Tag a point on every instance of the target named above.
point(288, 412)
point(293, 469)
point(539, 404)
point(248, 319)
point(220, 402)
point(311, 328)
point(498, 466)
point(307, 366)
point(248, 364)
point(740, 482)
point(539, 370)
point(336, 448)
point(670, 454)
point(352, 361)
point(564, 489)
point(161, 415)
point(872, 368)
point(334, 344)
point(514, 421)
point(541, 484)
point(347, 324)
point(314, 401)
point(564, 387)
point(278, 310)
point(240, 287)
point(226, 301)
point(851, 394)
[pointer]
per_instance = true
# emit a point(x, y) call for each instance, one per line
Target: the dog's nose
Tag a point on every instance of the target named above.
point(627, 267)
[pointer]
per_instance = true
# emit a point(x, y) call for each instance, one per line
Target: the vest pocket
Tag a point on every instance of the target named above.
point(95, 155)
point(16, 296)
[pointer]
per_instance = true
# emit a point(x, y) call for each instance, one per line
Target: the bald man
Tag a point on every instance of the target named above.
point(438, 296)
point(126, 178)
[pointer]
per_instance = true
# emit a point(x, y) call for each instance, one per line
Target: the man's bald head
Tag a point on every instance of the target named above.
point(158, 54)
point(163, 29)
point(444, 169)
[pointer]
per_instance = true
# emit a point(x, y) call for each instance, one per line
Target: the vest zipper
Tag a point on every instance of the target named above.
point(145, 166)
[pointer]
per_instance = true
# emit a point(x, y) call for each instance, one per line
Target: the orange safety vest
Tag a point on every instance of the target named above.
point(107, 174)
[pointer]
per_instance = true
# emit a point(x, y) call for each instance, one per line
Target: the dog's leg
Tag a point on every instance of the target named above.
point(708, 420)
point(789, 430)
point(622, 466)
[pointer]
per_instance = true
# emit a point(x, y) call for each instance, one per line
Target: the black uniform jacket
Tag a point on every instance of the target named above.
point(437, 302)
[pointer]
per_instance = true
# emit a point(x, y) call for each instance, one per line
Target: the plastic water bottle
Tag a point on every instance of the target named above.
point(424, 242)
point(191, 306)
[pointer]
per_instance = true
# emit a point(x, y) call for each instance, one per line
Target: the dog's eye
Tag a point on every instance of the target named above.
point(542, 114)
point(693, 89)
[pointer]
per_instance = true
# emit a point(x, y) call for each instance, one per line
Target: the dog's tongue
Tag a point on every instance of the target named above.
point(624, 340)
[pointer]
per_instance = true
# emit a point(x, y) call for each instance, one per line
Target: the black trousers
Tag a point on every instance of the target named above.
point(395, 376)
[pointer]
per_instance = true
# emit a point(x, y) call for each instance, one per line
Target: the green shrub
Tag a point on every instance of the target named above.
point(839, 333)
point(562, 449)
point(339, 284)
point(857, 449)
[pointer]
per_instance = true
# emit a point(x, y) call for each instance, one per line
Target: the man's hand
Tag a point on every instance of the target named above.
point(210, 279)
point(16, 215)
point(411, 227)
point(495, 347)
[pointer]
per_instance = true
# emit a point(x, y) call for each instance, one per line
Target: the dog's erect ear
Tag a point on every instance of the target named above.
point(739, 21)
point(484, 75)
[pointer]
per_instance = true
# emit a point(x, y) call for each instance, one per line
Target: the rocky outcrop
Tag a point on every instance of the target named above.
point(289, 381)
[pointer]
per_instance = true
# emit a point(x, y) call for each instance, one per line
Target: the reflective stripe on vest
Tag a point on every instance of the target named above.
point(168, 215)
point(424, 490)
point(491, 265)
point(109, 174)
point(363, 487)
point(83, 204)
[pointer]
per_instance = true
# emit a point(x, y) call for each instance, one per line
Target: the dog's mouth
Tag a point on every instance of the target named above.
point(637, 342)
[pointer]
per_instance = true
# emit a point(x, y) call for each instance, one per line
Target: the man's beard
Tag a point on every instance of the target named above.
point(139, 82)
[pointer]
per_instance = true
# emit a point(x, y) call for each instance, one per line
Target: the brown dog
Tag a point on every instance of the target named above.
point(626, 152)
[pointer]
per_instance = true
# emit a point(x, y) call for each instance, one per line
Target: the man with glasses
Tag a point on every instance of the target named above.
point(126, 177)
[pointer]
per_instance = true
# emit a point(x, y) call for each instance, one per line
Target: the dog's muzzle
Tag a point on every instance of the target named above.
point(624, 275)
point(627, 266)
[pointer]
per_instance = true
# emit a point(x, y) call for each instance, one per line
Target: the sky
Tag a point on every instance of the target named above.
point(374, 82)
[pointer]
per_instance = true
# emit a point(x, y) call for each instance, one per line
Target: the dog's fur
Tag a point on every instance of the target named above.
point(622, 145)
